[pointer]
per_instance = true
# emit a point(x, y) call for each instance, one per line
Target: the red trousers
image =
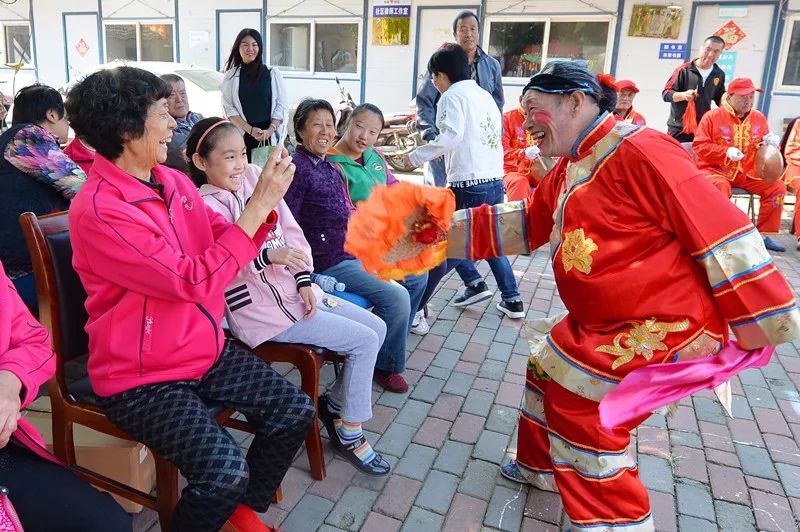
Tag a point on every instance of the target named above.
point(771, 195)
point(518, 186)
point(560, 439)
point(795, 184)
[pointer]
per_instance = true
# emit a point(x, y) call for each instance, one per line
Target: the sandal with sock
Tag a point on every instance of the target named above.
point(371, 463)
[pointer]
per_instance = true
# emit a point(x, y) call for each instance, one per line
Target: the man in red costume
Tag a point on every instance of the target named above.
point(653, 267)
point(626, 93)
point(725, 148)
point(521, 173)
point(791, 176)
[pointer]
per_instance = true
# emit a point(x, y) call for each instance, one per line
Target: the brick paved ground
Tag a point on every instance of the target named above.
point(447, 435)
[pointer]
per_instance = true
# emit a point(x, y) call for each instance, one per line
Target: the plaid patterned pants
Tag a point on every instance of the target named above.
point(173, 420)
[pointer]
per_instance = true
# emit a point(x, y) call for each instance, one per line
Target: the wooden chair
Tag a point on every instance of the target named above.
point(61, 310)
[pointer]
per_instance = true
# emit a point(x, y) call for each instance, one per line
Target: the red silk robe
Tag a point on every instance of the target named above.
point(653, 265)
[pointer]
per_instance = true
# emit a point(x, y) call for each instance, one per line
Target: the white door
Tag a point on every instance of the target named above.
point(747, 57)
point(434, 28)
point(82, 43)
point(230, 23)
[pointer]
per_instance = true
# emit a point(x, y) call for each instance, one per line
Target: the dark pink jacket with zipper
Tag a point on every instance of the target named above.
point(26, 352)
point(155, 262)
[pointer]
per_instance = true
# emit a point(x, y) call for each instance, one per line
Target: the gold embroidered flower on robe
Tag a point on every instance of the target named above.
point(643, 339)
point(576, 251)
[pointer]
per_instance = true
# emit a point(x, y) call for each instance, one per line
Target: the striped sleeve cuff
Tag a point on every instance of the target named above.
point(262, 260)
point(302, 279)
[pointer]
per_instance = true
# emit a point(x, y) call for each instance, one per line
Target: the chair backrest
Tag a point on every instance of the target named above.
point(58, 288)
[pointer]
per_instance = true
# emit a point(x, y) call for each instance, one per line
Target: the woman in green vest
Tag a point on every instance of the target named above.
point(361, 165)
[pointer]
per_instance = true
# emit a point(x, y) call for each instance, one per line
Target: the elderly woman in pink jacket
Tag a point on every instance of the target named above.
point(27, 469)
point(273, 298)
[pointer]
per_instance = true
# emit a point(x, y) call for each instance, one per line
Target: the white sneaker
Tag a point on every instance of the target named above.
point(420, 324)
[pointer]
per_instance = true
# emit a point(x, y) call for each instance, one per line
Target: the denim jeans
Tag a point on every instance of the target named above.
point(391, 302)
point(437, 172)
point(490, 193)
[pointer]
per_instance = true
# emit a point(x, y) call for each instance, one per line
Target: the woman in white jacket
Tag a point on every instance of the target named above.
point(253, 95)
point(273, 299)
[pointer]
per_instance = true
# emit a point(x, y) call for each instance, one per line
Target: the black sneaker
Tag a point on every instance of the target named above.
point(512, 309)
point(473, 294)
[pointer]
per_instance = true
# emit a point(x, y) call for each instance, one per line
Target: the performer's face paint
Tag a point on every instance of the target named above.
point(541, 116)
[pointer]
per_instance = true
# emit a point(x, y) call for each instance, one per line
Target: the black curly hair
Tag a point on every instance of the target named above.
point(110, 106)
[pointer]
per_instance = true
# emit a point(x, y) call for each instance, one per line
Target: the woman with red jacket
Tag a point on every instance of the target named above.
point(155, 262)
point(26, 468)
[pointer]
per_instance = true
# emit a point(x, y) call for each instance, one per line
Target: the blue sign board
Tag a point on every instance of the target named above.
point(672, 50)
point(391, 10)
point(727, 62)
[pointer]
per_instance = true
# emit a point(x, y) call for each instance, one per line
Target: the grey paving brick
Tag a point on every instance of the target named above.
point(453, 457)
point(478, 402)
point(478, 480)
point(506, 334)
point(394, 400)
point(740, 408)
point(521, 347)
point(756, 461)
point(492, 369)
point(437, 492)
point(352, 508)
point(482, 336)
point(505, 509)
point(709, 410)
point(438, 372)
point(783, 389)
point(498, 351)
point(413, 413)
point(693, 524)
point(491, 320)
point(308, 514)
point(656, 420)
point(760, 397)
point(774, 370)
point(790, 478)
point(689, 439)
point(491, 446)
point(456, 341)
point(427, 389)
point(329, 528)
point(656, 473)
point(419, 520)
point(417, 461)
point(449, 312)
point(459, 383)
point(447, 358)
point(396, 439)
point(694, 499)
point(734, 517)
point(370, 482)
point(442, 327)
point(752, 377)
point(502, 419)
point(412, 342)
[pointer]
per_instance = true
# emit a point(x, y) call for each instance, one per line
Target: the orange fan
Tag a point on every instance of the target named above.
point(401, 230)
point(690, 118)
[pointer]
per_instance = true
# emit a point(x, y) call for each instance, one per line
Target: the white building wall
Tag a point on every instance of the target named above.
point(48, 37)
point(785, 103)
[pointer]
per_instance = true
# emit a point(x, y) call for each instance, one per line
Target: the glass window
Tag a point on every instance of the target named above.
point(336, 48)
point(517, 46)
point(791, 72)
point(18, 44)
point(157, 42)
point(289, 46)
point(121, 42)
point(579, 40)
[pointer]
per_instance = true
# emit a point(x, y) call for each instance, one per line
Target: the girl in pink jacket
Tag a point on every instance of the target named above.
point(27, 469)
point(273, 299)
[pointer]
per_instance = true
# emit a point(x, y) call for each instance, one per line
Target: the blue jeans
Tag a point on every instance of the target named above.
point(392, 302)
point(490, 193)
point(438, 170)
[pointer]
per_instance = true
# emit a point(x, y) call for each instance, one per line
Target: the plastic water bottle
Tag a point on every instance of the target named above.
point(327, 283)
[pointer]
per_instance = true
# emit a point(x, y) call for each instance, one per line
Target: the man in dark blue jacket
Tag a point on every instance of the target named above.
point(484, 69)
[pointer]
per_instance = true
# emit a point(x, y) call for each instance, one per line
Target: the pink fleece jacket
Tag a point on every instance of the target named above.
point(155, 262)
point(263, 300)
point(25, 351)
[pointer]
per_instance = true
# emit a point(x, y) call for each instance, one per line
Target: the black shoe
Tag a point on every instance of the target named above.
point(377, 467)
point(473, 294)
point(327, 418)
point(512, 309)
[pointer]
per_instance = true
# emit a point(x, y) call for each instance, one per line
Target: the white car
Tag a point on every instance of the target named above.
point(202, 84)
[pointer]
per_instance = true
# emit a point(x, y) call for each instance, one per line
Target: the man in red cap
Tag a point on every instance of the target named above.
point(626, 92)
point(725, 146)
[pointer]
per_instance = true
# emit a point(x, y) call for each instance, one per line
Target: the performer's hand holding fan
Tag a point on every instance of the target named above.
point(401, 230)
